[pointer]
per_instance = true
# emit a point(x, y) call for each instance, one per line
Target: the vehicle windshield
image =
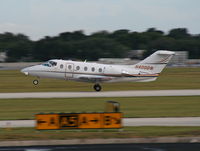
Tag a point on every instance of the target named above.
point(50, 63)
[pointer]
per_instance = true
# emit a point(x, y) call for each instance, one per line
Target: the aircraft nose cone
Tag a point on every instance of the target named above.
point(25, 71)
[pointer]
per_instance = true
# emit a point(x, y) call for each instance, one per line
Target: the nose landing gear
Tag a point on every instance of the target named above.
point(97, 87)
point(35, 82)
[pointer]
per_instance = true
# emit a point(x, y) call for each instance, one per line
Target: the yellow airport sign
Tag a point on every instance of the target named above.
point(112, 120)
point(78, 120)
point(68, 121)
point(47, 121)
point(90, 120)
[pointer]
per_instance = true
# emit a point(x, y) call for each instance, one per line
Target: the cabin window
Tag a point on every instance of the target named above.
point(61, 66)
point(85, 68)
point(100, 69)
point(77, 67)
point(93, 69)
point(69, 67)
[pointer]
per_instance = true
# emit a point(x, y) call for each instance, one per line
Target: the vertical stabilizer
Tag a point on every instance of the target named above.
point(156, 62)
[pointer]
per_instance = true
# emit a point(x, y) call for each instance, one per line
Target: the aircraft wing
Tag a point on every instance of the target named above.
point(125, 73)
point(93, 78)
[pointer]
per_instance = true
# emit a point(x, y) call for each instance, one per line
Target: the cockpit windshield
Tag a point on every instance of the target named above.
point(50, 63)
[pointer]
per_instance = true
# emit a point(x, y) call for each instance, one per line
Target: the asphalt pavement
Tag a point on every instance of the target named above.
point(112, 147)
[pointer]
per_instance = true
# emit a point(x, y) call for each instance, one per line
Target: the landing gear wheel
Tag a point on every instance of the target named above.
point(35, 82)
point(97, 87)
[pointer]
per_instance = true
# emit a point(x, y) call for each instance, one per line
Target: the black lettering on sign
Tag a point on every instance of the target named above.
point(107, 120)
point(84, 120)
point(117, 120)
point(52, 121)
point(69, 121)
point(41, 121)
point(95, 120)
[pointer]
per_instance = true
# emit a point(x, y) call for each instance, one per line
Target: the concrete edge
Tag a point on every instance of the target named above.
point(101, 141)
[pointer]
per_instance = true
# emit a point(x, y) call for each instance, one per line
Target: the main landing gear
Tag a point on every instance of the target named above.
point(97, 87)
point(35, 82)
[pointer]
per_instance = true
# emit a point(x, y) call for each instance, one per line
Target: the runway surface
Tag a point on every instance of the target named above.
point(137, 93)
point(182, 121)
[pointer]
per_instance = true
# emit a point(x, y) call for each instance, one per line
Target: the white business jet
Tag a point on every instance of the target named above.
point(144, 71)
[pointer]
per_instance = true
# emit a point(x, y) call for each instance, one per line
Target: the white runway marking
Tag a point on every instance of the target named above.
point(136, 93)
point(170, 121)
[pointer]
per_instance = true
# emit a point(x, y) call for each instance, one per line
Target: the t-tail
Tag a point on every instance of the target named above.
point(155, 63)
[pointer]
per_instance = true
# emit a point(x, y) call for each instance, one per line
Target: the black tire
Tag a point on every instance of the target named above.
point(35, 82)
point(97, 87)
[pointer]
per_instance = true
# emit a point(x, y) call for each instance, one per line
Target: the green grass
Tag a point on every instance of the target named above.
point(131, 107)
point(128, 132)
point(171, 78)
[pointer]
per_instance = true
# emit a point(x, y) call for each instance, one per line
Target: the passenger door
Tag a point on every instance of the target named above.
point(69, 69)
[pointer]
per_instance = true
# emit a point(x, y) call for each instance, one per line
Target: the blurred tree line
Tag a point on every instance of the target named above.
point(102, 44)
